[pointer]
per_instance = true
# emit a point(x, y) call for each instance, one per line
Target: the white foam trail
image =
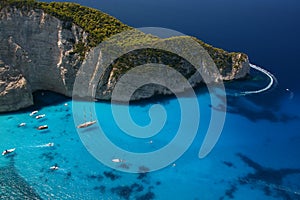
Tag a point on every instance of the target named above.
point(271, 83)
point(51, 144)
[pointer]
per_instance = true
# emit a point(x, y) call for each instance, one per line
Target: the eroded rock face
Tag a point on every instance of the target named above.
point(15, 92)
point(113, 74)
point(36, 52)
point(239, 69)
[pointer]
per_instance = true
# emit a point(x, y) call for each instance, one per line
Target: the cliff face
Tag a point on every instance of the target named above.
point(229, 65)
point(110, 79)
point(37, 53)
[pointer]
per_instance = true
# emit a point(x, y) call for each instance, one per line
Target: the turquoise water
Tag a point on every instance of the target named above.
point(258, 151)
point(256, 157)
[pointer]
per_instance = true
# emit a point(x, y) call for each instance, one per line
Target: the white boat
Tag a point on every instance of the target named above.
point(51, 144)
point(86, 124)
point(55, 167)
point(117, 160)
point(40, 116)
point(42, 127)
point(7, 151)
point(22, 124)
point(33, 112)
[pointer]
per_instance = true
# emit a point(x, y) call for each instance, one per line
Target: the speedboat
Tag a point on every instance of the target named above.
point(42, 127)
point(51, 144)
point(22, 124)
point(33, 112)
point(40, 116)
point(55, 167)
point(117, 160)
point(8, 151)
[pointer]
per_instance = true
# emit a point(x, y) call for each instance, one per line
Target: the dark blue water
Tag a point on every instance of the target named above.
point(268, 31)
point(257, 156)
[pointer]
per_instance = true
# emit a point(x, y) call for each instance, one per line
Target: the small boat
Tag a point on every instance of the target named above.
point(22, 124)
point(42, 127)
point(8, 151)
point(55, 167)
point(86, 124)
point(117, 160)
point(40, 116)
point(33, 113)
point(51, 144)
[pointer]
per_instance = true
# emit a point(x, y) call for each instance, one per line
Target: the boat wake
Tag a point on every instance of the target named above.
point(272, 82)
point(50, 144)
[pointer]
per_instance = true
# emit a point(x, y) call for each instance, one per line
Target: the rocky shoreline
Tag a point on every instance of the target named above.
point(37, 53)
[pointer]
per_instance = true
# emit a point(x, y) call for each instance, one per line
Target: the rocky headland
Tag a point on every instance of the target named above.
point(43, 46)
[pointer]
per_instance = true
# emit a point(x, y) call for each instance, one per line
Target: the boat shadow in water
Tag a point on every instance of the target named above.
point(13, 186)
point(90, 129)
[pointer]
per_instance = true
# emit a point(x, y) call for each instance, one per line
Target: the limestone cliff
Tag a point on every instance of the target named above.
point(36, 52)
point(39, 51)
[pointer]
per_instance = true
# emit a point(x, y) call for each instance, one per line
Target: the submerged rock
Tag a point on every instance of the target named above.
point(123, 192)
point(272, 182)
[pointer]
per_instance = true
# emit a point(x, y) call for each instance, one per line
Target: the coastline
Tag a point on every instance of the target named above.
point(49, 58)
point(255, 157)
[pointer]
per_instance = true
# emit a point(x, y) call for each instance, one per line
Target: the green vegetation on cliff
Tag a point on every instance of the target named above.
point(101, 26)
point(222, 58)
point(97, 24)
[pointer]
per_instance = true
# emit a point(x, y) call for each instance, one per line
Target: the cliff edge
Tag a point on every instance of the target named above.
point(43, 45)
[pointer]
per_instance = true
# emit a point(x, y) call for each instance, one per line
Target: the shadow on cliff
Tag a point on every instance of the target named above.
point(165, 99)
point(45, 98)
point(264, 106)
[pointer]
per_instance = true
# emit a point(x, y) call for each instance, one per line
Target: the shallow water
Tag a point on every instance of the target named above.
point(256, 157)
point(262, 128)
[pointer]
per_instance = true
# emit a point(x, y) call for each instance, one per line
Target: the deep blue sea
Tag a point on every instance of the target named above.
point(256, 157)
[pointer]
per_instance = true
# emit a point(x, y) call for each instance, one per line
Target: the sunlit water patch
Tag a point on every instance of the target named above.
point(260, 138)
